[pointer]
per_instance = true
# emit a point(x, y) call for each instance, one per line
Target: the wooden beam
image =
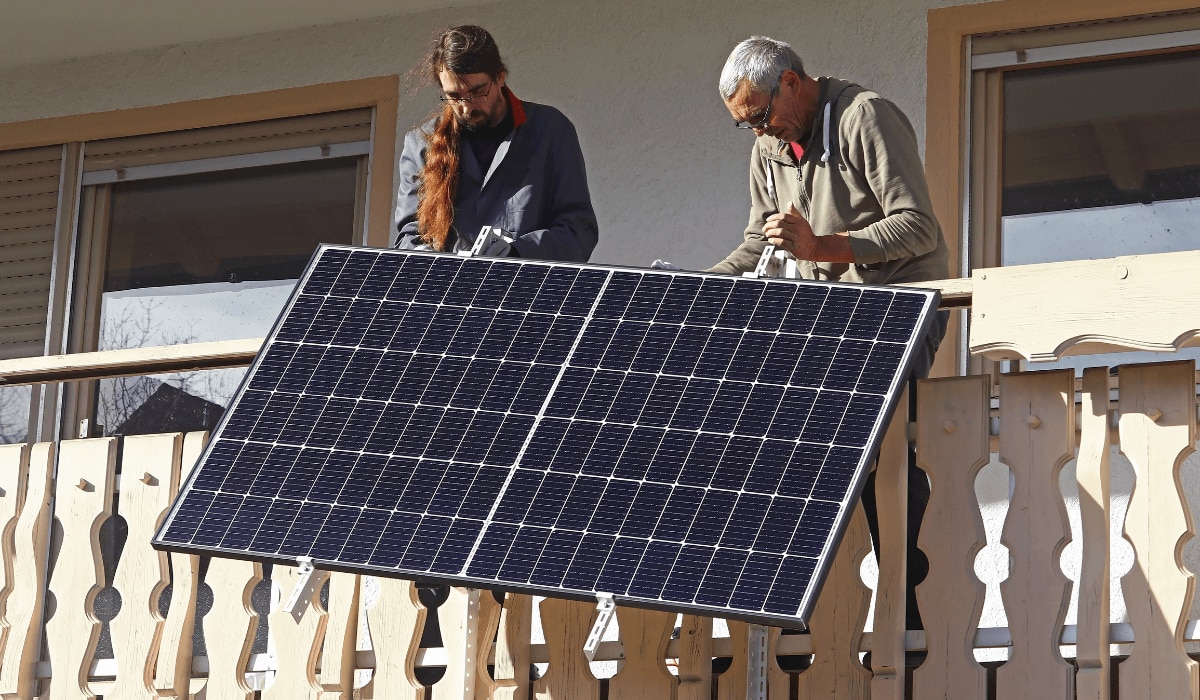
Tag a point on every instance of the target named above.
point(131, 362)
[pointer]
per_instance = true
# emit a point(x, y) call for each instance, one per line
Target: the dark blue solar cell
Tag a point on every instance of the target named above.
point(529, 339)
point(848, 364)
point(772, 307)
point(242, 420)
point(710, 301)
point(272, 363)
point(328, 266)
point(736, 462)
point(575, 445)
point(621, 566)
point(245, 523)
point(483, 492)
point(275, 526)
point(561, 338)
point(728, 406)
point(525, 287)
point(760, 409)
point(790, 585)
point(880, 368)
point(635, 460)
point(390, 428)
point(662, 401)
point(859, 421)
point(495, 286)
point(713, 517)
point(655, 348)
point(740, 307)
point(383, 325)
point(445, 380)
point(602, 459)
point(508, 442)
point(358, 373)
point(835, 314)
point(813, 529)
point(678, 299)
point(419, 431)
point(616, 296)
point(309, 521)
point(687, 573)
point(392, 482)
point(806, 463)
point(614, 505)
point(332, 364)
point(304, 363)
point(583, 292)
point(723, 574)
point(519, 496)
point(332, 478)
point(624, 345)
point(365, 473)
point(301, 421)
point(298, 480)
point(325, 323)
point(718, 353)
point(702, 461)
point(758, 576)
point(901, 318)
point(593, 344)
point(382, 382)
point(381, 277)
point(548, 502)
point(806, 306)
point(543, 444)
point(504, 386)
point(478, 436)
point(686, 351)
point(470, 333)
point(426, 543)
point(813, 364)
point(585, 567)
point(475, 381)
point(442, 329)
point(643, 306)
point(838, 473)
point(779, 524)
point(438, 280)
point(329, 540)
point(695, 405)
point(580, 505)
point(595, 402)
point(751, 356)
point(535, 389)
point(492, 550)
point(365, 534)
point(412, 275)
point(647, 507)
point(452, 489)
point(792, 414)
point(466, 283)
point(278, 465)
point(557, 288)
point(328, 426)
point(781, 359)
point(868, 316)
point(524, 554)
point(456, 547)
point(742, 528)
point(571, 387)
point(188, 517)
point(500, 334)
point(668, 460)
point(556, 556)
point(395, 540)
point(769, 464)
point(412, 328)
point(679, 514)
point(631, 399)
point(656, 565)
point(447, 434)
point(827, 413)
point(218, 465)
point(353, 273)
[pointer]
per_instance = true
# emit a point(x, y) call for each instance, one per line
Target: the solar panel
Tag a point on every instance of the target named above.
point(677, 440)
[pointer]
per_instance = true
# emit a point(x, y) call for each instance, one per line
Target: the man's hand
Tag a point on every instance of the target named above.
point(791, 232)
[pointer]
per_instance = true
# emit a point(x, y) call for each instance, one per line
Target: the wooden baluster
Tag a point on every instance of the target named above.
point(229, 627)
point(695, 658)
point(1037, 437)
point(645, 635)
point(779, 682)
point(14, 464)
point(297, 643)
point(173, 673)
point(731, 684)
point(150, 478)
point(455, 619)
point(891, 489)
point(837, 621)
point(566, 624)
point(83, 501)
point(512, 648)
point(1092, 474)
point(26, 582)
point(341, 637)
point(489, 624)
point(1158, 429)
point(396, 622)
point(953, 445)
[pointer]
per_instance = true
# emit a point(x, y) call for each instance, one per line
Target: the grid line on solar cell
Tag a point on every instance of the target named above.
point(636, 433)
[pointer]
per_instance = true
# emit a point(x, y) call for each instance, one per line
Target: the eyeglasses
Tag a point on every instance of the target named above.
point(761, 122)
point(473, 95)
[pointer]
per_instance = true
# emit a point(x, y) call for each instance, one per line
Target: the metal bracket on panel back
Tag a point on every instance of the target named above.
point(774, 262)
point(309, 581)
point(606, 607)
point(487, 239)
point(756, 671)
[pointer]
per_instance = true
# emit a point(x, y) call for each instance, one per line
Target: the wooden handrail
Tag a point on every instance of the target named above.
point(129, 362)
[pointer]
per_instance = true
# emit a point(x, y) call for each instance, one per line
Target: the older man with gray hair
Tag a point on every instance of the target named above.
point(836, 180)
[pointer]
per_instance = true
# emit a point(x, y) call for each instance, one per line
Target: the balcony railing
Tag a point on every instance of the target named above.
point(362, 636)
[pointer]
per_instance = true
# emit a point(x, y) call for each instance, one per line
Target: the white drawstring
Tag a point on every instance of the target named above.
point(825, 155)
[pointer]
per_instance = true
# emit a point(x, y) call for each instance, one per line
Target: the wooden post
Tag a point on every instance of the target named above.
point(297, 643)
point(341, 637)
point(645, 635)
point(1092, 474)
point(695, 658)
point(566, 624)
point(512, 648)
point(396, 621)
point(229, 627)
point(490, 610)
point(891, 489)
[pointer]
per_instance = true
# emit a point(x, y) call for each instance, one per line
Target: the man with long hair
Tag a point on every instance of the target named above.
point(489, 159)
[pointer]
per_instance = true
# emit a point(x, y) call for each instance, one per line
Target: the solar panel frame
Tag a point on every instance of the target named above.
point(707, 369)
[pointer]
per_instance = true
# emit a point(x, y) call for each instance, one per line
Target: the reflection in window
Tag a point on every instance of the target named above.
point(202, 258)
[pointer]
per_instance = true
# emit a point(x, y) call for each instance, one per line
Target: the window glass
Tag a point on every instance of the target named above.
point(202, 258)
point(1101, 159)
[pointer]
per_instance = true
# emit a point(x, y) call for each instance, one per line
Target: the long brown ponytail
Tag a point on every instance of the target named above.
point(461, 50)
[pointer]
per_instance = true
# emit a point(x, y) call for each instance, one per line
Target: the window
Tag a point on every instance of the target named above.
point(193, 230)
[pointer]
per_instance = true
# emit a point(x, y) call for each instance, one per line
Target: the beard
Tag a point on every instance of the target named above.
point(468, 125)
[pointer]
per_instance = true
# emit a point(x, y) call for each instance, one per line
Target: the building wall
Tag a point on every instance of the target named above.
point(668, 173)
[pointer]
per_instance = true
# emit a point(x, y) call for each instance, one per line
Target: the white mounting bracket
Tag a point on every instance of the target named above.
point(487, 236)
point(309, 582)
point(774, 262)
point(756, 673)
point(471, 642)
point(607, 607)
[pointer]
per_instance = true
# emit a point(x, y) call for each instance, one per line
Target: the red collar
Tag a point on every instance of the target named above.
point(518, 110)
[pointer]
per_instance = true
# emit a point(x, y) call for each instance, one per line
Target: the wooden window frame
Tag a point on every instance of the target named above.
point(948, 110)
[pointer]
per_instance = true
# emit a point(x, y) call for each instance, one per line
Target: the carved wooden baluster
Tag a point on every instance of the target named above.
point(695, 658)
point(512, 648)
point(837, 621)
point(455, 616)
point(150, 477)
point(172, 675)
point(229, 627)
point(779, 682)
point(489, 624)
point(953, 445)
point(1158, 430)
point(341, 637)
point(891, 488)
point(645, 635)
point(297, 643)
point(1037, 437)
point(1095, 506)
point(26, 584)
point(14, 465)
point(83, 501)
point(566, 624)
point(731, 684)
point(396, 622)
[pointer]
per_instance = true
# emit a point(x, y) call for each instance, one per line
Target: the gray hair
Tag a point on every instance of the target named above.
point(761, 62)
